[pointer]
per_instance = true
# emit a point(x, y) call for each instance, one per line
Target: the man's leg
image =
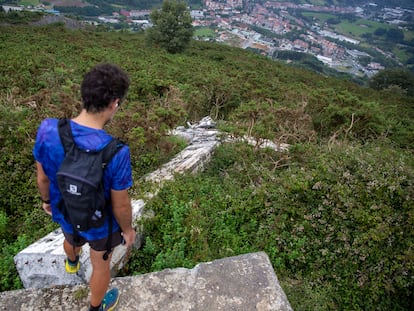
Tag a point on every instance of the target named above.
point(101, 275)
point(71, 252)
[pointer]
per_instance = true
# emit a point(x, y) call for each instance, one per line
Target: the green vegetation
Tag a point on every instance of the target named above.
point(353, 3)
point(394, 78)
point(354, 27)
point(326, 222)
point(310, 62)
point(360, 27)
point(335, 213)
point(20, 17)
point(317, 16)
point(204, 32)
point(98, 7)
point(172, 29)
point(28, 2)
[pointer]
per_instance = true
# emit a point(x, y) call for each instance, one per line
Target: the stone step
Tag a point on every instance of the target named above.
point(243, 283)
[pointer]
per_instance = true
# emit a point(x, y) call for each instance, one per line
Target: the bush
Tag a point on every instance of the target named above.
point(394, 77)
point(333, 221)
point(9, 278)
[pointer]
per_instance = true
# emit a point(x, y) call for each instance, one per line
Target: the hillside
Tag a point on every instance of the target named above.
point(348, 42)
point(335, 214)
point(389, 3)
point(145, 4)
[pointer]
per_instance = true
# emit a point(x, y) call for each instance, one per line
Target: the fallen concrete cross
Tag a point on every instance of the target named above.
point(243, 283)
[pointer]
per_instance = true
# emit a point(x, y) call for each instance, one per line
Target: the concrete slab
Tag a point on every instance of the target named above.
point(243, 283)
point(41, 263)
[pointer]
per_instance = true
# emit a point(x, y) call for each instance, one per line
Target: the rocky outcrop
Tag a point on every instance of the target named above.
point(246, 282)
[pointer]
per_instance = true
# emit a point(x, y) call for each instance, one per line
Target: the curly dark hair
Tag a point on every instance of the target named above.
point(102, 85)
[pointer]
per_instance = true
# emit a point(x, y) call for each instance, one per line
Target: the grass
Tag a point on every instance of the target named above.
point(356, 28)
point(408, 35)
point(401, 54)
point(321, 17)
point(205, 32)
point(29, 2)
point(359, 27)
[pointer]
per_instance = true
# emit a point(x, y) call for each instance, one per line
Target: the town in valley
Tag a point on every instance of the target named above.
point(275, 28)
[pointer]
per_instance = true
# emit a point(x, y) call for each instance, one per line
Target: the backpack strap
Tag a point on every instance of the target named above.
point(110, 150)
point(108, 153)
point(65, 134)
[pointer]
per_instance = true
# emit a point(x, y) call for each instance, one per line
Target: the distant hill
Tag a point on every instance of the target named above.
point(131, 4)
point(147, 4)
point(387, 3)
point(106, 7)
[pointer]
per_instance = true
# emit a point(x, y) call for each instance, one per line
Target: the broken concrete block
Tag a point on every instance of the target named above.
point(41, 264)
point(243, 283)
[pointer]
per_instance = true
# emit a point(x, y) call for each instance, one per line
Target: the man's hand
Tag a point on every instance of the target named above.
point(129, 237)
point(121, 206)
point(47, 208)
point(43, 185)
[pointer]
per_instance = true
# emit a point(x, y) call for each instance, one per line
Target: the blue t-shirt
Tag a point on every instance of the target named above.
point(48, 151)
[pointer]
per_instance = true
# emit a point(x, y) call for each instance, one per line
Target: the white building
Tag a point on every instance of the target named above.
point(197, 14)
point(325, 60)
point(8, 8)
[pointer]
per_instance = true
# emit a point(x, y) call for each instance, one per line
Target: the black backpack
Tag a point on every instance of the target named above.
point(80, 182)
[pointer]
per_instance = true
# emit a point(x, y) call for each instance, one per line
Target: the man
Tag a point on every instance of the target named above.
point(102, 91)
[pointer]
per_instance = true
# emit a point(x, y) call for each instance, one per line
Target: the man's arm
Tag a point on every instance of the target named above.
point(43, 186)
point(121, 206)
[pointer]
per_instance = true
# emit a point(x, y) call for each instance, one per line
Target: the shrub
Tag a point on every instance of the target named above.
point(338, 218)
point(9, 277)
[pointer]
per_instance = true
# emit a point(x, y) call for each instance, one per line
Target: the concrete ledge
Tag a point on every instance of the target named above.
point(246, 282)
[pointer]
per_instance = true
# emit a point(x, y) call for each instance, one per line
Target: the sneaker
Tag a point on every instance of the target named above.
point(110, 300)
point(72, 267)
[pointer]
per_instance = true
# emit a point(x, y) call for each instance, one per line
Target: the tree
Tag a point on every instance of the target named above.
point(172, 27)
point(395, 35)
point(333, 21)
point(393, 77)
point(380, 31)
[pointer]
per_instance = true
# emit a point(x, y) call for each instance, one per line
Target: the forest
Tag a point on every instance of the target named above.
point(335, 213)
point(353, 3)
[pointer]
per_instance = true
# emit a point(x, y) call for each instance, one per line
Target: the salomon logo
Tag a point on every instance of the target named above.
point(73, 189)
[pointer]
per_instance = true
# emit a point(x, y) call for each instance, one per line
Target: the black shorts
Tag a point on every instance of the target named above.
point(97, 245)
